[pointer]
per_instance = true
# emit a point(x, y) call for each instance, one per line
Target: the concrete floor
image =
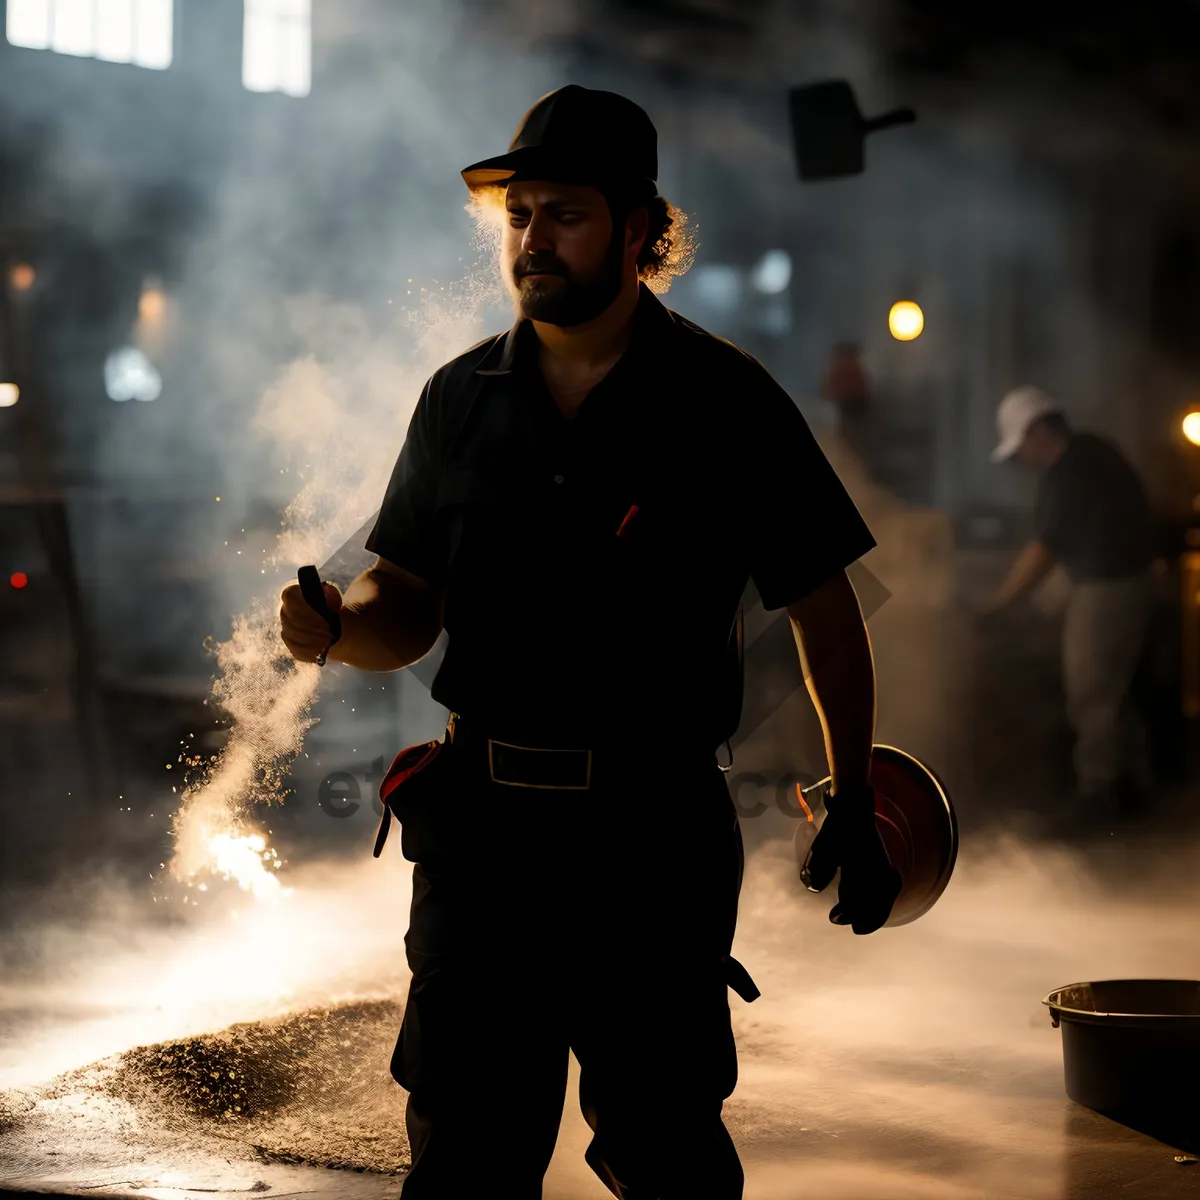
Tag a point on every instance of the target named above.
point(914, 1064)
point(1076, 1155)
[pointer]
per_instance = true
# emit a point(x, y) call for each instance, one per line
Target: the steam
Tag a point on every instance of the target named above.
point(263, 693)
point(112, 969)
point(265, 698)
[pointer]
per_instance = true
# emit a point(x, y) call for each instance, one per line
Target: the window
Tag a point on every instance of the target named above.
point(277, 46)
point(124, 31)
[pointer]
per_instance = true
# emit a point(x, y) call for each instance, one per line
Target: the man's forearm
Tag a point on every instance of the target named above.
point(839, 671)
point(843, 692)
point(385, 625)
point(1031, 566)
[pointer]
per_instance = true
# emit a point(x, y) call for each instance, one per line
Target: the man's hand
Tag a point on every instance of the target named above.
point(849, 840)
point(304, 630)
point(1029, 568)
point(989, 615)
point(390, 618)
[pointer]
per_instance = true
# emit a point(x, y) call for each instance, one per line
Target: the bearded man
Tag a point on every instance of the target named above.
point(580, 503)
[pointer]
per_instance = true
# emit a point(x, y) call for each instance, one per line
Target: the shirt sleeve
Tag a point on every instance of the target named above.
point(405, 532)
point(802, 528)
point(1056, 512)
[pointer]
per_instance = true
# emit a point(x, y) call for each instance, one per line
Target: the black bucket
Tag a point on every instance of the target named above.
point(1131, 1047)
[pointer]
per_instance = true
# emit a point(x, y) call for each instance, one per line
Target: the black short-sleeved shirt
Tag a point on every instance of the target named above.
point(1092, 513)
point(560, 627)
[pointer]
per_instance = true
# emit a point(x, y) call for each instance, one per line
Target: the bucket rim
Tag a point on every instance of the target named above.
point(1092, 1015)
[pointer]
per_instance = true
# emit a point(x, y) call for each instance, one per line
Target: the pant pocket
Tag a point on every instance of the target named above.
point(415, 792)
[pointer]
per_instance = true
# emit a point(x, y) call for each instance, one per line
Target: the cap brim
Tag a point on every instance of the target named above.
point(1012, 444)
point(1007, 449)
point(528, 162)
point(536, 162)
point(490, 171)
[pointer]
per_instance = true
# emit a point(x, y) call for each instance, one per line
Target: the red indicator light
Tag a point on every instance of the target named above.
point(19, 580)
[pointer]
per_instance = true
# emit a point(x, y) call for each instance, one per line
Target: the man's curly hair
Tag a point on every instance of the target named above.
point(669, 247)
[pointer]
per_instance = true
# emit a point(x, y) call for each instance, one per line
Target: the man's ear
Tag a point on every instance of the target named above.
point(635, 229)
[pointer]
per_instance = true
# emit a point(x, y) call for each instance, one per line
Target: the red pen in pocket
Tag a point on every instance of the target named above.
point(623, 528)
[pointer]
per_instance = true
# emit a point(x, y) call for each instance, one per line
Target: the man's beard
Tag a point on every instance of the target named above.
point(568, 299)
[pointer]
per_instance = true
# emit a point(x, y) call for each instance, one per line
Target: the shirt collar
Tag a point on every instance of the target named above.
point(651, 315)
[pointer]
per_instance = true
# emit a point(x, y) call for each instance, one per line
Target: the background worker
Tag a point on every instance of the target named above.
point(1091, 516)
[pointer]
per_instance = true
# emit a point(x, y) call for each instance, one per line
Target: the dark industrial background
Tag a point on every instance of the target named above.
point(1044, 211)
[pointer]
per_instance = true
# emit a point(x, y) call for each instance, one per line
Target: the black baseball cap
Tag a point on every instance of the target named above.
point(577, 135)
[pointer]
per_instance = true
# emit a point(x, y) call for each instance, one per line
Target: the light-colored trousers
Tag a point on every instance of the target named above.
point(1103, 635)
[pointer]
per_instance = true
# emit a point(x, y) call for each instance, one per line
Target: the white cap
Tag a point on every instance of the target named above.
point(1017, 412)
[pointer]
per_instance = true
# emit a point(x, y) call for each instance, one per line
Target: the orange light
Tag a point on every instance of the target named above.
point(906, 320)
point(19, 579)
point(21, 277)
point(152, 304)
point(1191, 427)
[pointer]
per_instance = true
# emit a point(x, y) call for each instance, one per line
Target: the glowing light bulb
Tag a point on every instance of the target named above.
point(1191, 427)
point(906, 320)
point(130, 375)
point(772, 273)
point(9, 394)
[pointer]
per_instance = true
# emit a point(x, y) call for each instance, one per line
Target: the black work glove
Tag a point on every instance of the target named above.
point(849, 841)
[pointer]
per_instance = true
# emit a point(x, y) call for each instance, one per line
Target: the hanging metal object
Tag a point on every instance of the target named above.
point(828, 131)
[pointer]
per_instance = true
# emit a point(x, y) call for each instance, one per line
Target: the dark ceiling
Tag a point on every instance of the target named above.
point(1140, 59)
point(1144, 53)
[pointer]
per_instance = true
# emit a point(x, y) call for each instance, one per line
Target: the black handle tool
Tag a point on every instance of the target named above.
point(313, 592)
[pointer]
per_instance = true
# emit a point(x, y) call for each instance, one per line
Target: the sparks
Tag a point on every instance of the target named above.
point(248, 861)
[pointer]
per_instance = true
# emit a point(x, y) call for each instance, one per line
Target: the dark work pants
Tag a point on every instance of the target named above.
point(547, 921)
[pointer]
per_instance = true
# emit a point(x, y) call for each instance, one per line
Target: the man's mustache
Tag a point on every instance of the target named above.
point(550, 266)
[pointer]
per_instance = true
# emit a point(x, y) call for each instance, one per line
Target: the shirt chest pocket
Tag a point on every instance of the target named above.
point(525, 521)
point(489, 518)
